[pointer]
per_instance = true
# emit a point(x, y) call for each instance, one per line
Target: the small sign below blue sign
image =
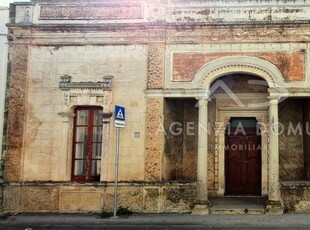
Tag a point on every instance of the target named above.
point(119, 116)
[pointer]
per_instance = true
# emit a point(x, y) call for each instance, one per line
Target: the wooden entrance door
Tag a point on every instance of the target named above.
point(243, 163)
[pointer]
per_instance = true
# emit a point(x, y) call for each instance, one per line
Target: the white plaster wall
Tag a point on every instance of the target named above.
point(4, 18)
point(43, 155)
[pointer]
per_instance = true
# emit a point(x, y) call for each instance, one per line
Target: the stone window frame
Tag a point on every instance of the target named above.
point(223, 117)
point(78, 94)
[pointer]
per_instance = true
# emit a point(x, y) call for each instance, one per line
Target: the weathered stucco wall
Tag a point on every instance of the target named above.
point(43, 142)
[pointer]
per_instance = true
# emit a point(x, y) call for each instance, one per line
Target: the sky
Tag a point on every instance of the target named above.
point(7, 2)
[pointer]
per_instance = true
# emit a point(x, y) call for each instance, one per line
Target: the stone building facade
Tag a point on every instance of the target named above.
point(189, 73)
point(4, 18)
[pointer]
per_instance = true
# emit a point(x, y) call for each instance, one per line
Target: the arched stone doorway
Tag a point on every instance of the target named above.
point(261, 105)
point(240, 96)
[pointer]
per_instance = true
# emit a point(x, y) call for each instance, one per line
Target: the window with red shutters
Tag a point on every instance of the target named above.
point(87, 144)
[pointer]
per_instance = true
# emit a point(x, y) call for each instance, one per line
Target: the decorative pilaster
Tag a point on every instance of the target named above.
point(202, 202)
point(105, 146)
point(66, 159)
point(220, 128)
point(273, 205)
point(154, 139)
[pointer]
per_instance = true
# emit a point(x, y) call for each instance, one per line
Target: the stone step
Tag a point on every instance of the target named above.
point(231, 210)
point(238, 205)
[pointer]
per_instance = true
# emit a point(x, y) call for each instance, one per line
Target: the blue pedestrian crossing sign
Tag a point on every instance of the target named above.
point(119, 116)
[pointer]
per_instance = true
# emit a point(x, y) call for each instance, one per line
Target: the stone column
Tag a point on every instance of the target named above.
point(273, 204)
point(202, 202)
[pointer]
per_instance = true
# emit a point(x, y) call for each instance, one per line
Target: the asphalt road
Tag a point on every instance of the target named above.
point(155, 221)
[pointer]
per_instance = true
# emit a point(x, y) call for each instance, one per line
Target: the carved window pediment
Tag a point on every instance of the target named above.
point(86, 93)
point(66, 83)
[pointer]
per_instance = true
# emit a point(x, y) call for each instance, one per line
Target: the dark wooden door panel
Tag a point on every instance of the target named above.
point(243, 165)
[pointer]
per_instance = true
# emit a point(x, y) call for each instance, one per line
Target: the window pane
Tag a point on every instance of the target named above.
point(97, 134)
point(80, 150)
point(80, 168)
point(81, 134)
point(82, 117)
point(98, 116)
point(96, 151)
point(95, 167)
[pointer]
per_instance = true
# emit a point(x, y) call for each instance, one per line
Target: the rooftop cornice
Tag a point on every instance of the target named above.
point(150, 25)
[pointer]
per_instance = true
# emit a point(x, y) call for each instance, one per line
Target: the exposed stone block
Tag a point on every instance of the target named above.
point(156, 66)
point(131, 197)
point(151, 199)
point(108, 199)
point(154, 139)
point(296, 196)
point(177, 199)
point(31, 198)
point(40, 199)
point(12, 198)
point(76, 201)
point(17, 105)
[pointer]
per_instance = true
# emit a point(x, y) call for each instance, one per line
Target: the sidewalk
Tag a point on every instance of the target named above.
point(155, 221)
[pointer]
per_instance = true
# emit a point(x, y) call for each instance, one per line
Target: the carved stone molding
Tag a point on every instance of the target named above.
point(244, 64)
point(66, 84)
point(106, 11)
point(86, 93)
point(250, 12)
point(223, 118)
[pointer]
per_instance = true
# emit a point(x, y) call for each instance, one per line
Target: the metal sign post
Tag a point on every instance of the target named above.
point(119, 122)
point(116, 170)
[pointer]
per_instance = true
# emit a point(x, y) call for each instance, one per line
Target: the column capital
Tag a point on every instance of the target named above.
point(274, 100)
point(202, 101)
point(106, 117)
point(204, 97)
point(274, 95)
